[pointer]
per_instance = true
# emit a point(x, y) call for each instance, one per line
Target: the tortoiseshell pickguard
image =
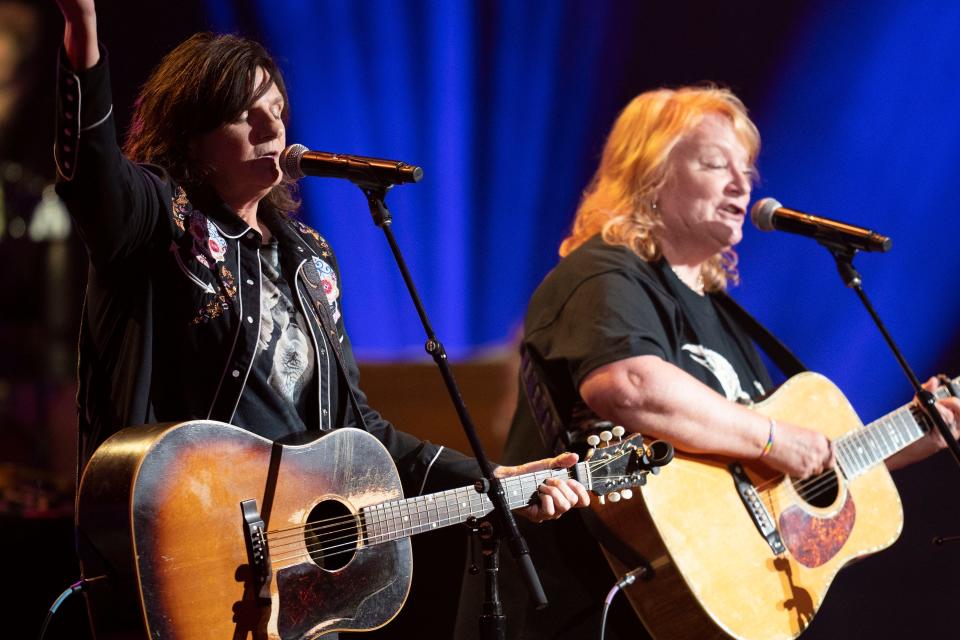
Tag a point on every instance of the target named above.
point(309, 595)
point(814, 540)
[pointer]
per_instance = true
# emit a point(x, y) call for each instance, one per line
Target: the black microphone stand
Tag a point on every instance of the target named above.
point(504, 524)
point(844, 254)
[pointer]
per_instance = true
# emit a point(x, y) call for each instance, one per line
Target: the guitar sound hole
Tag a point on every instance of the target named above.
point(331, 535)
point(820, 491)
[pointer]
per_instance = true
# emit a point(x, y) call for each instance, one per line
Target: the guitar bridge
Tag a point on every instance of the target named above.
point(258, 554)
point(755, 507)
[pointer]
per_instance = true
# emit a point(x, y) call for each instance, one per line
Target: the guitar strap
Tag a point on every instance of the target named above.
point(778, 352)
point(558, 439)
point(554, 436)
point(317, 295)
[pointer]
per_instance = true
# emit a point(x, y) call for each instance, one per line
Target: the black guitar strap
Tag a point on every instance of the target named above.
point(319, 299)
point(778, 352)
point(555, 437)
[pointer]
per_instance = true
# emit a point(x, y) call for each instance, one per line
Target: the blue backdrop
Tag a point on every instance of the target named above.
point(861, 124)
point(505, 105)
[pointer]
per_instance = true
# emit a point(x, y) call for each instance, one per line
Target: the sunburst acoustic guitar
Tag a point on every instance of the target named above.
point(735, 550)
point(205, 530)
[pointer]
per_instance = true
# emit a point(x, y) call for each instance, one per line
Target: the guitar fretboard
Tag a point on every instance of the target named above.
point(399, 518)
point(863, 448)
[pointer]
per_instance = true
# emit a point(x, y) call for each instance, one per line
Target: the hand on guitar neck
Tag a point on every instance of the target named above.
point(932, 442)
point(557, 495)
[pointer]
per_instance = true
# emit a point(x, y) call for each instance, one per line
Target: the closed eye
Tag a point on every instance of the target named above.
point(714, 165)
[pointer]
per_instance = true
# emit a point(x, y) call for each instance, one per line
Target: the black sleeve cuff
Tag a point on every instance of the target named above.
point(84, 103)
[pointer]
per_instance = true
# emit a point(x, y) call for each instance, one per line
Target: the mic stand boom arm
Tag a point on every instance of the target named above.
point(376, 194)
point(843, 254)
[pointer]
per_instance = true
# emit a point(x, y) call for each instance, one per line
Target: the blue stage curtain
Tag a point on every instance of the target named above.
point(505, 106)
point(861, 125)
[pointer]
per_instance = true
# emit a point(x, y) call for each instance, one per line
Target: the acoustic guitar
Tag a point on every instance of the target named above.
point(733, 549)
point(205, 530)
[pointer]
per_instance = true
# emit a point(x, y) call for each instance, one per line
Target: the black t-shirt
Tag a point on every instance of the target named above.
point(714, 347)
point(603, 303)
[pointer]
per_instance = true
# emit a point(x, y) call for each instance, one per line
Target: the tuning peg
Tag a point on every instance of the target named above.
point(606, 436)
point(593, 440)
point(626, 494)
point(614, 496)
point(618, 431)
point(602, 499)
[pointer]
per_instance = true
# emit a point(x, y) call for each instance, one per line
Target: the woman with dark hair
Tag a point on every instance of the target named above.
point(206, 298)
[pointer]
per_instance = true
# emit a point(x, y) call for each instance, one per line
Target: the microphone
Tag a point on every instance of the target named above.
point(768, 214)
point(297, 161)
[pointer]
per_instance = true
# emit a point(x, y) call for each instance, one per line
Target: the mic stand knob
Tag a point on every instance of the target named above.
point(492, 621)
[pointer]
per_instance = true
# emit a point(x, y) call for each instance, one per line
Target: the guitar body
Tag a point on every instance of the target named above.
point(159, 514)
point(714, 574)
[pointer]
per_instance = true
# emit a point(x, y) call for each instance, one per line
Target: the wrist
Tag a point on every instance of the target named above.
point(80, 42)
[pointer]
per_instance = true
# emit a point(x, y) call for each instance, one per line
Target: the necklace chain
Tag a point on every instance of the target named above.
point(697, 286)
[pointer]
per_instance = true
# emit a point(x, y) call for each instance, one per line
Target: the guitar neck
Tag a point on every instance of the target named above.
point(861, 449)
point(400, 518)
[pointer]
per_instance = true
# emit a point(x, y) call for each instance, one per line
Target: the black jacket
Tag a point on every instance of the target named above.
point(172, 312)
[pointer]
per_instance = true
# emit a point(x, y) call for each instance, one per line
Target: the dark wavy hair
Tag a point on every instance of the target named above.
point(206, 81)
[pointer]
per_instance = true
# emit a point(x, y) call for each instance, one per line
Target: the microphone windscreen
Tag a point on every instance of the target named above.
point(290, 161)
point(762, 213)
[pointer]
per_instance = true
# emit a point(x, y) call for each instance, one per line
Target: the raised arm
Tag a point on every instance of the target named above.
point(116, 204)
point(80, 33)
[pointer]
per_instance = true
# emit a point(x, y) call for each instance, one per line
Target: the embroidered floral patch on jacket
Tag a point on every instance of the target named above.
point(209, 247)
point(325, 250)
point(181, 208)
point(329, 285)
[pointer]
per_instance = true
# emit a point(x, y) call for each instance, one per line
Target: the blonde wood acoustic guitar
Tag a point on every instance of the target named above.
point(735, 550)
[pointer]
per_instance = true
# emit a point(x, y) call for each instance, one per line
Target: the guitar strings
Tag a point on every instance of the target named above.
point(295, 532)
point(333, 544)
point(857, 454)
point(291, 535)
point(351, 537)
point(774, 491)
point(814, 486)
point(350, 532)
point(808, 490)
point(347, 543)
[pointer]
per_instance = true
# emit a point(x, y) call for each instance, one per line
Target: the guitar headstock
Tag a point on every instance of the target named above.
point(617, 464)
